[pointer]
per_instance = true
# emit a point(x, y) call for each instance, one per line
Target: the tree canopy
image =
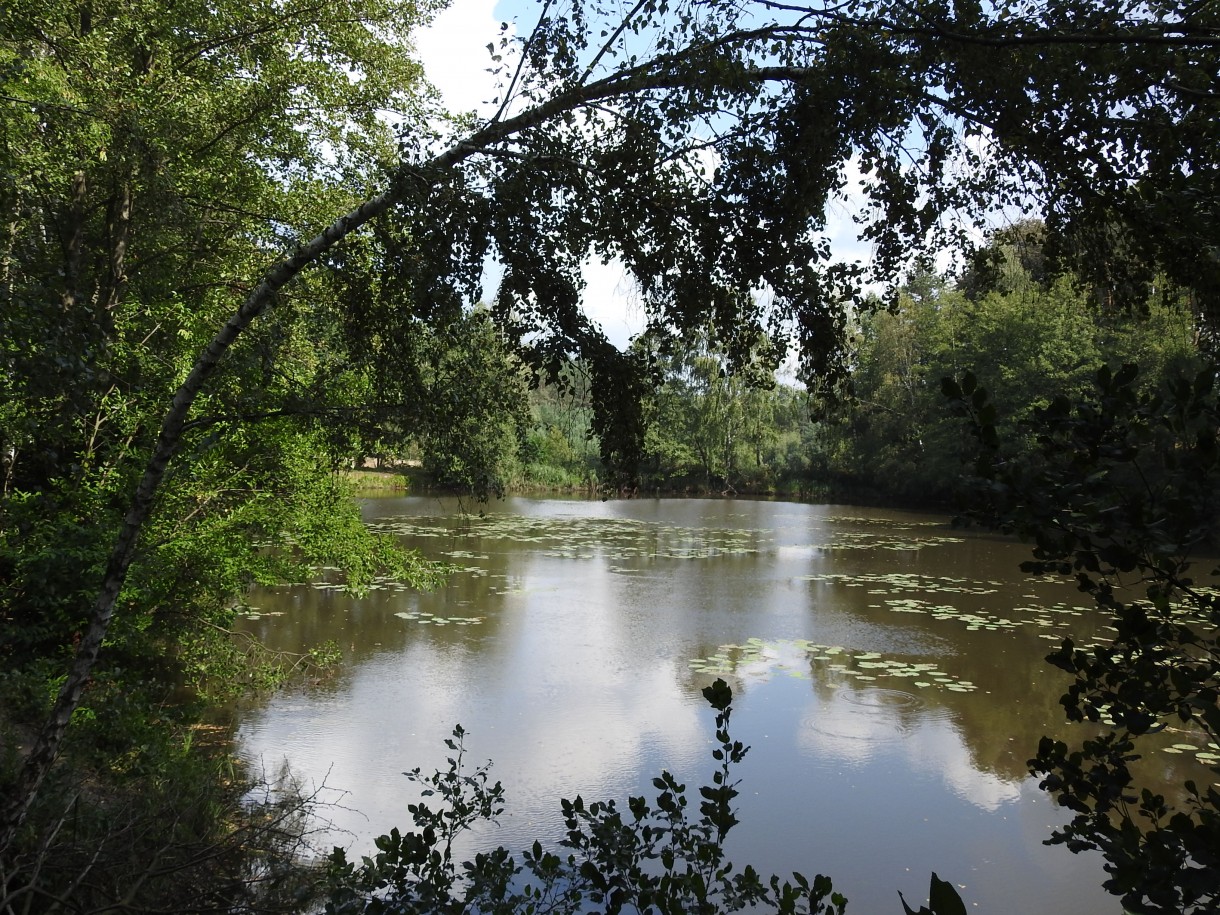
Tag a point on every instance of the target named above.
point(1026, 332)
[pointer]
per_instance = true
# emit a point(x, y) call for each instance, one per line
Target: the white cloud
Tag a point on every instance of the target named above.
point(453, 50)
point(610, 300)
point(855, 726)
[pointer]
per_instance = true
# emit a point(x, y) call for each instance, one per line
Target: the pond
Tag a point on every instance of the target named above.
point(887, 670)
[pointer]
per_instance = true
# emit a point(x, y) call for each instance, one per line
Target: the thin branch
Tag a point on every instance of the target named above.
point(521, 62)
point(197, 49)
point(1173, 34)
point(605, 48)
point(48, 106)
point(1210, 96)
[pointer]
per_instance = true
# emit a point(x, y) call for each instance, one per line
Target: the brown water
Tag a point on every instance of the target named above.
point(887, 672)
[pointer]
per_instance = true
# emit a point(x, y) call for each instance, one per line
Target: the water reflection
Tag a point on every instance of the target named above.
point(848, 726)
point(889, 738)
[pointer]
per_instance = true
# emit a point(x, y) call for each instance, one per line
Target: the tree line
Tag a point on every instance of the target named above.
point(1027, 329)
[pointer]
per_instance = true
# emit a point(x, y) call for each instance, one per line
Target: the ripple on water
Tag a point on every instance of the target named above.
point(873, 714)
point(881, 698)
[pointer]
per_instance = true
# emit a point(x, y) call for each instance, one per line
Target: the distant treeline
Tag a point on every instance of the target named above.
point(733, 426)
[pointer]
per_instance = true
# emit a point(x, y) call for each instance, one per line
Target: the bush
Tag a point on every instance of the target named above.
point(649, 858)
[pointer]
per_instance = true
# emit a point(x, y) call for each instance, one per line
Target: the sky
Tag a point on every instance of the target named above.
point(453, 51)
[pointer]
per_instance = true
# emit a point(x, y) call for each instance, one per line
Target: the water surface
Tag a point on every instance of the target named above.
point(887, 672)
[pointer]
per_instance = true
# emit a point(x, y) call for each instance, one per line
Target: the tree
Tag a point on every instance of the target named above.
point(713, 424)
point(1121, 495)
point(151, 160)
point(560, 450)
point(1025, 336)
point(1131, 191)
point(698, 413)
point(705, 162)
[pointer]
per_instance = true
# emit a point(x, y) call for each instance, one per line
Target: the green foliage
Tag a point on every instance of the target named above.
point(560, 449)
point(190, 833)
point(718, 421)
point(141, 145)
point(942, 900)
point(654, 857)
point(477, 408)
point(710, 426)
point(422, 373)
point(1031, 335)
point(151, 157)
point(1121, 492)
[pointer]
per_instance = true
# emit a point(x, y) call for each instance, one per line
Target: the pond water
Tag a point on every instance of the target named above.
point(887, 673)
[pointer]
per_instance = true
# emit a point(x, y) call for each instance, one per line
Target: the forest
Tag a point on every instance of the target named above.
point(242, 251)
point(1027, 330)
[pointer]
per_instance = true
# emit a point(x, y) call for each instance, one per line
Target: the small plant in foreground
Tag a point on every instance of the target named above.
point(656, 857)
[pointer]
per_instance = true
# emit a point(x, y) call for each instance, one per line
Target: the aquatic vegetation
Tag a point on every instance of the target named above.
point(892, 582)
point(616, 539)
point(866, 540)
point(895, 586)
point(421, 617)
point(895, 534)
point(1208, 753)
point(894, 524)
point(828, 663)
point(255, 613)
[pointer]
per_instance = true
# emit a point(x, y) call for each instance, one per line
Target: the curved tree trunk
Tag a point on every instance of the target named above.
point(46, 746)
point(409, 178)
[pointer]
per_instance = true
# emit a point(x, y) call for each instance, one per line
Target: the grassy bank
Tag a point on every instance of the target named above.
point(381, 481)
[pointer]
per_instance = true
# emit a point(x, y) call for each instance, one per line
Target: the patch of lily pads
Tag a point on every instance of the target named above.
point(256, 613)
point(973, 621)
point(389, 583)
point(867, 540)
point(434, 620)
point(1208, 754)
point(893, 582)
point(895, 588)
point(621, 539)
point(896, 524)
point(617, 539)
point(826, 662)
point(886, 534)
